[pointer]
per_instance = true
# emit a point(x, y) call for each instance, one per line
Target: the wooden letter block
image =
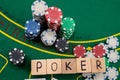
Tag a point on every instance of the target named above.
point(68, 66)
point(38, 67)
point(83, 65)
point(98, 65)
point(54, 66)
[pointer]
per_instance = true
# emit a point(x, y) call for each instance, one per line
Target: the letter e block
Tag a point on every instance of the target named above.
point(38, 67)
point(69, 66)
point(98, 65)
point(83, 65)
point(54, 66)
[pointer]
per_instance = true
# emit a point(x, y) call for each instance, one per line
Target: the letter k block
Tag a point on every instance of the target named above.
point(69, 66)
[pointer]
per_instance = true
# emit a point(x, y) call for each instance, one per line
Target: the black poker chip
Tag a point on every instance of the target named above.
point(16, 56)
point(40, 19)
point(62, 45)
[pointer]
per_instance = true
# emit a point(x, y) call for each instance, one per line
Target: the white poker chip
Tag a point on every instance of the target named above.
point(88, 79)
point(112, 42)
point(99, 76)
point(113, 56)
point(112, 73)
point(89, 54)
point(39, 7)
point(87, 75)
point(48, 37)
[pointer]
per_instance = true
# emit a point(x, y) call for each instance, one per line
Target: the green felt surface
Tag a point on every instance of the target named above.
point(94, 19)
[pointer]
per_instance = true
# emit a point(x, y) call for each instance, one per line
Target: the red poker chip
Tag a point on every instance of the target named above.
point(53, 15)
point(99, 50)
point(79, 51)
point(54, 26)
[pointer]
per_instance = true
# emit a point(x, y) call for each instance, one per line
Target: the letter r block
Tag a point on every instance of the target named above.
point(38, 67)
point(54, 66)
point(98, 65)
point(68, 66)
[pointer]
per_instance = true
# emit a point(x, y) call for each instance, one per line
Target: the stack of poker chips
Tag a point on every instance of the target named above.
point(48, 37)
point(39, 8)
point(47, 22)
point(32, 29)
point(53, 16)
point(67, 27)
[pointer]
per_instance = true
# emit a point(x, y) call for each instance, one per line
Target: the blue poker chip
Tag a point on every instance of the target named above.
point(32, 29)
point(29, 37)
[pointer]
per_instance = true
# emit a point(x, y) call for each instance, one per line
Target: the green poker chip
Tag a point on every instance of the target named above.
point(106, 62)
point(68, 23)
point(67, 27)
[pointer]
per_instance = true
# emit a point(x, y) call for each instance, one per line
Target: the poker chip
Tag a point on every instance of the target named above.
point(89, 54)
point(32, 29)
point(62, 45)
point(79, 51)
point(16, 56)
point(88, 79)
point(68, 24)
point(112, 73)
point(67, 27)
point(99, 76)
point(48, 37)
point(112, 42)
point(53, 17)
point(99, 50)
point(87, 75)
point(107, 63)
point(113, 56)
point(39, 7)
point(40, 19)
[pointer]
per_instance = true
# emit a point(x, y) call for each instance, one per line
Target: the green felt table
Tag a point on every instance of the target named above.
point(96, 20)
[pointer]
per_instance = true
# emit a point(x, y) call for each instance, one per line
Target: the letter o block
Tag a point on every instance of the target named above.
point(54, 66)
